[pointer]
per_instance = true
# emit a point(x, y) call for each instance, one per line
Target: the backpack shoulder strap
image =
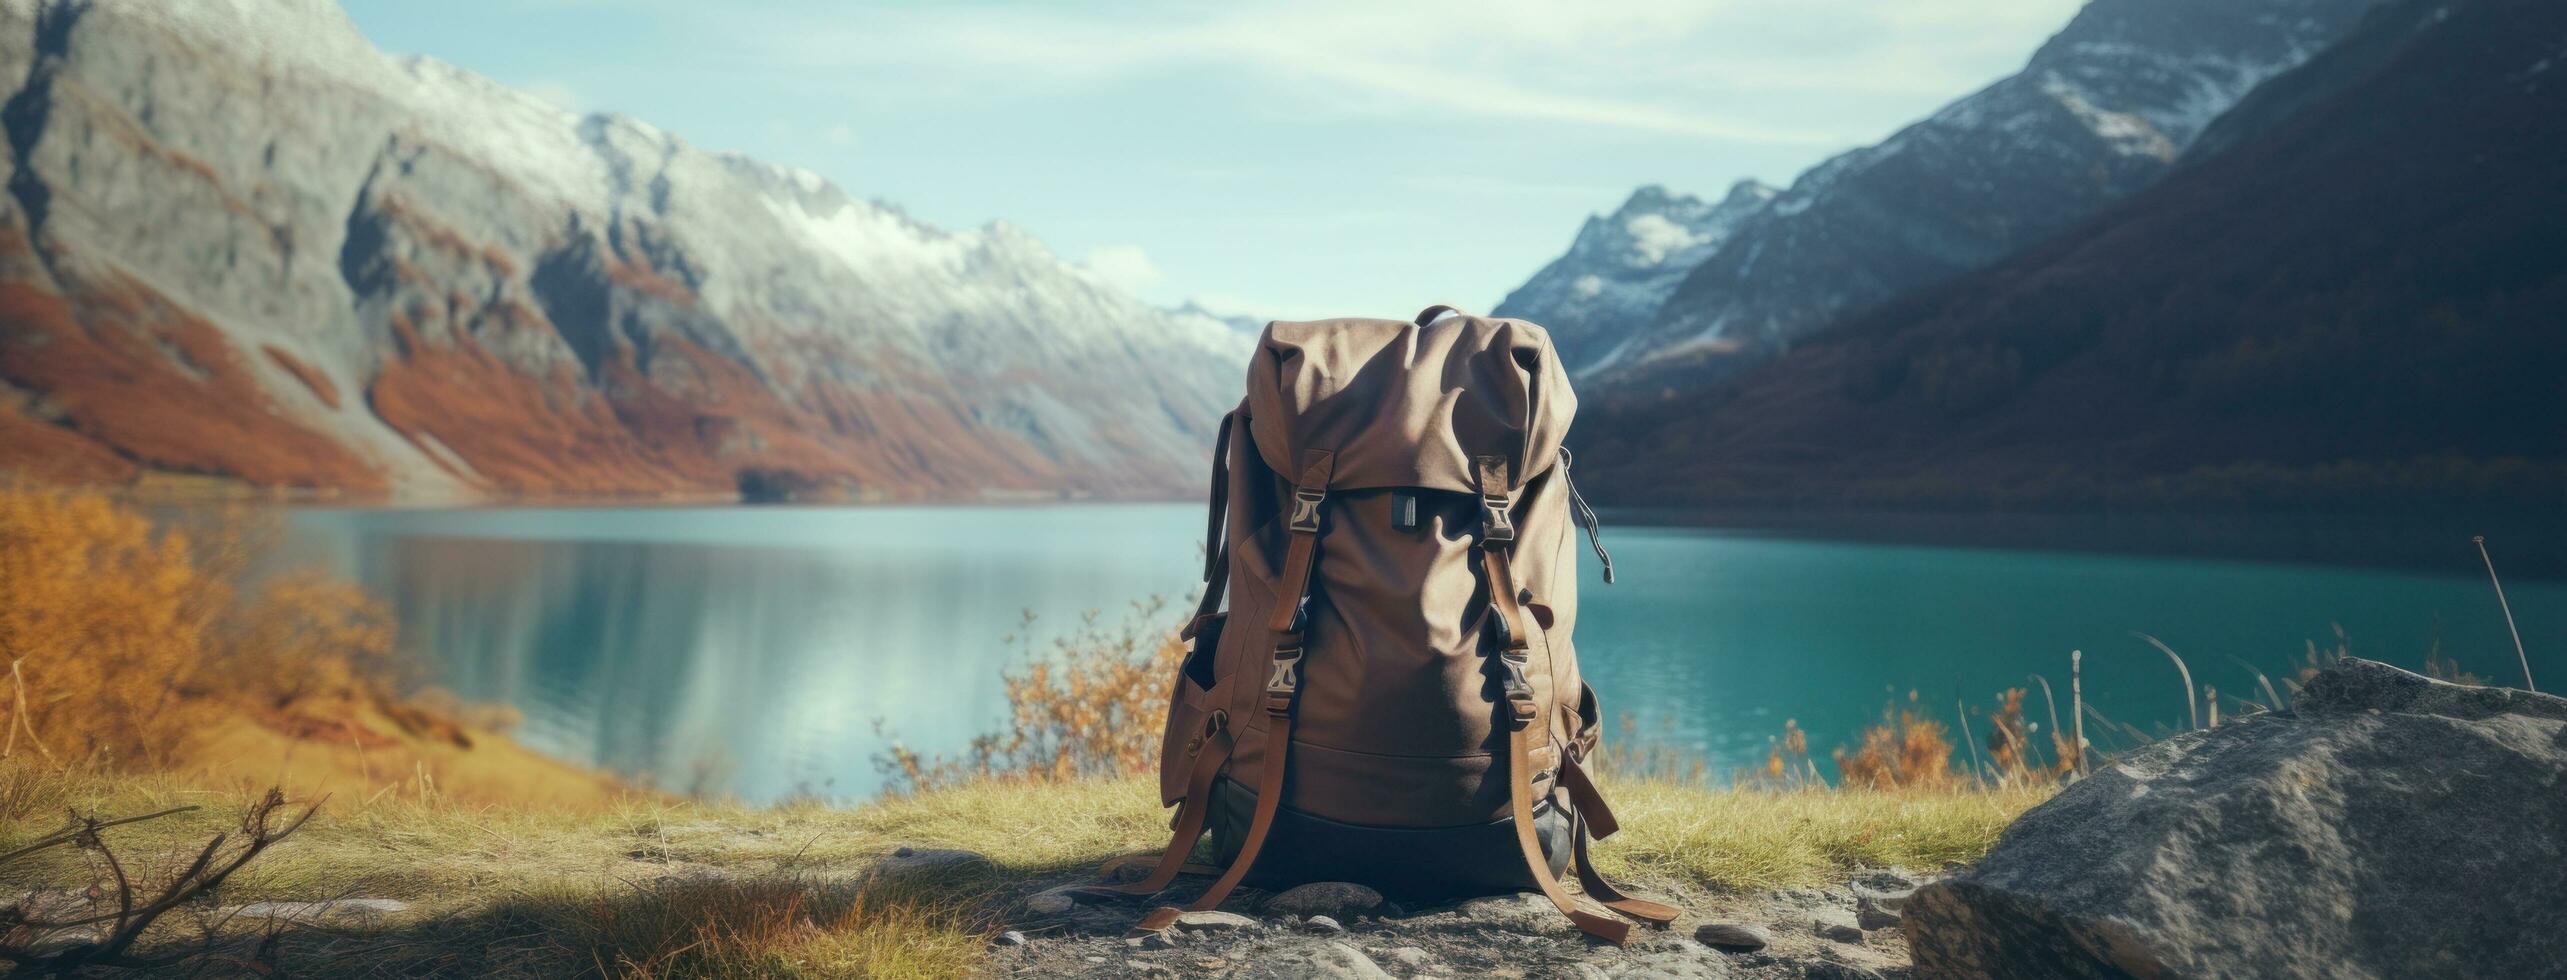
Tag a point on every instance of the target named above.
point(1216, 545)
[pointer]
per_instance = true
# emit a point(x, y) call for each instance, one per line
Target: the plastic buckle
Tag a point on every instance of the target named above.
point(1285, 680)
point(1497, 528)
point(1305, 509)
point(1518, 687)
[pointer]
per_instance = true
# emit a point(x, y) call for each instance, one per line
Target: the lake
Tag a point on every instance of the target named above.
point(766, 652)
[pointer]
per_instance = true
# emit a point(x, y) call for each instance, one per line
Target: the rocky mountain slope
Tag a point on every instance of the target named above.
point(239, 241)
point(2101, 110)
point(1623, 265)
point(2359, 299)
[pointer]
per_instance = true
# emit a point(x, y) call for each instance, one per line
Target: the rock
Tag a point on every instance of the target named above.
point(1325, 898)
point(1833, 970)
point(344, 908)
point(1735, 937)
point(1872, 917)
point(937, 860)
point(1836, 924)
point(1215, 921)
point(1053, 901)
point(1322, 924)
point(1411, 957)
point(1009, 938)
point(2369, 831)
point(1340, 961)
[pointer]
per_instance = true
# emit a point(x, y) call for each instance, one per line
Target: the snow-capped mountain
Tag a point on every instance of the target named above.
point(241, 241)
point(1623, 265)
point(2100, 111)
point(1199, 315)
point(2350, 296)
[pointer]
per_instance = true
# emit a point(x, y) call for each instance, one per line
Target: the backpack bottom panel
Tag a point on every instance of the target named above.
point(1407, 863)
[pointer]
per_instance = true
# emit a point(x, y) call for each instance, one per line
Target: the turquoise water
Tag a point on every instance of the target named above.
point(773, 651)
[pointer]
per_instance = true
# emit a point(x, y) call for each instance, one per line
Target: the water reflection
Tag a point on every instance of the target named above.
point(752, 651)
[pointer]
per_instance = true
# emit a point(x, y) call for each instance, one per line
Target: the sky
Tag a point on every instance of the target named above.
point(1273, 159)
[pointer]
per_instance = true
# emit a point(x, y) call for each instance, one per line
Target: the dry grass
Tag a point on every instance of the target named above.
point(656, 887)
point(1090, 705)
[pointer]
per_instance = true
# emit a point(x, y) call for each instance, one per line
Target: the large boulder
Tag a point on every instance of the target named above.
point(2388, 825)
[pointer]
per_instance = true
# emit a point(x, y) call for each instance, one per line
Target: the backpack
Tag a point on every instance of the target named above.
point(1391, 697)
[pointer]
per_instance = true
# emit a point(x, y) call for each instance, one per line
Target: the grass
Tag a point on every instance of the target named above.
point(660, 887)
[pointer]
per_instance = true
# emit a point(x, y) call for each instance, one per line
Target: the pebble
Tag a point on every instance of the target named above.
point(1325, 898)
point(912, 860)
point(1733, 936)
point(1832, 970)
point(1876, 918)
point(1214, 922)
point(1339, 961)
point(1052, 902)
point(1836, 924)
point(1009, 938)
point(1322, 924)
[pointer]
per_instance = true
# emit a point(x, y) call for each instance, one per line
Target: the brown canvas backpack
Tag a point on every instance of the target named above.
point(1391, 697)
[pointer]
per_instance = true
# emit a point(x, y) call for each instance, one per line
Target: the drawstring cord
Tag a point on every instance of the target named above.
point(1585, 517)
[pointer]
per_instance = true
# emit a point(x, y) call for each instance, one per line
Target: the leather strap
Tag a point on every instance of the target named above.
point(1191, 814)
point(1216, 545)
point(1593, 812)
point(1591, 914)
point(1592, 919)
point(1283, 684)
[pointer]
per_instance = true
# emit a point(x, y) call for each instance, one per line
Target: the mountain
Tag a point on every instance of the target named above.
point(2100, 111)
point(2362, 298)
point(1200, 316)
point(1623, 265)
point(239, 241)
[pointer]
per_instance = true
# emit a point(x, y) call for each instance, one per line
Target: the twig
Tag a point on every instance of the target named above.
point(26, 719)
point(2481, 542)
point(70, 833)
point(2192, 705)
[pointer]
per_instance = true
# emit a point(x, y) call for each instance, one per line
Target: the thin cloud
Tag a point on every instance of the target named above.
point(1690, 68)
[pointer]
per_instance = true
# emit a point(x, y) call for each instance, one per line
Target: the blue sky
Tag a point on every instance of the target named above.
point(1321, 157)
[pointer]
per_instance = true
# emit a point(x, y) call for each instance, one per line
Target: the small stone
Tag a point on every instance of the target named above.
point(1885, 899)
point(1339, 961)
point(1214, 922)
point(1835, 924)
point(1832, 970)
point(916, 860)
point(1411, 957)
point(1009, 938)
point(1053, 901)
point(1735, 937)
point(1094, 959)
point(1325, 898)
point(1322, 924)
point(1870, 918)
